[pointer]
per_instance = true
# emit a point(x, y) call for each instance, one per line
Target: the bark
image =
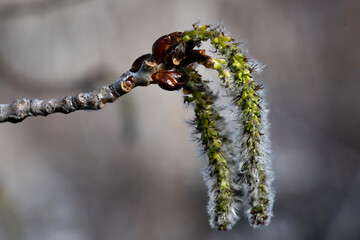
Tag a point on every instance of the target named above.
point(18, 110)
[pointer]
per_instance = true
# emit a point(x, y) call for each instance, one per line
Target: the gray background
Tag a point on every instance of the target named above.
point(131, 171)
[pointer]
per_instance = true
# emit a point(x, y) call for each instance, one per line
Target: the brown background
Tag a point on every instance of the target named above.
point(131, 171)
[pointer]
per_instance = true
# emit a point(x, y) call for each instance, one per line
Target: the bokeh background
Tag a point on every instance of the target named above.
point(131, 170)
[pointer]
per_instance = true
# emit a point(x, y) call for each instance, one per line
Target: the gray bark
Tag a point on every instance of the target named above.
point(18, 110)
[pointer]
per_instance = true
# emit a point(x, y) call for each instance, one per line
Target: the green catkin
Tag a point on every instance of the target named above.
point(217, 174)
point(252, 167)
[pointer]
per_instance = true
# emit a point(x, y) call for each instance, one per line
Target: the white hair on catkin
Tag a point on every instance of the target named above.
point(263, 158)
point(232, 216)
point(248, 154)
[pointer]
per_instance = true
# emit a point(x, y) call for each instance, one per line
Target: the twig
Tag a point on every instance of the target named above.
point(20, 109)
point(239, 164)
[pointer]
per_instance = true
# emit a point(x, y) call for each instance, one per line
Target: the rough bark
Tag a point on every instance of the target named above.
point(18, 110)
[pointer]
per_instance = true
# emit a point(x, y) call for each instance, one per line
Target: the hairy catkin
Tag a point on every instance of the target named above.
point(251, 175)
point(209, 124)
point(252, 138)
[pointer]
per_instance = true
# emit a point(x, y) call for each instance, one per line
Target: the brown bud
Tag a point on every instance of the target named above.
point(161, 46)
point(138, 62)
point(170, 81)
point(198, 56)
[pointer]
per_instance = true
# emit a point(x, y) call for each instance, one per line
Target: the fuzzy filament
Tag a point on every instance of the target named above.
point(252, 172)
point(208, 123)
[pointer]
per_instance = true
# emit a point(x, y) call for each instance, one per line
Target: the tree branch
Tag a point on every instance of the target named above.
point(238, 171)
point(20, 109)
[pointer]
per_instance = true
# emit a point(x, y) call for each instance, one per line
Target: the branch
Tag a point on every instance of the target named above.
point(20, 109)
point(239, 164)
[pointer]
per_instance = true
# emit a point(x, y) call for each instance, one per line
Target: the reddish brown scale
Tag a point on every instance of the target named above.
point(169, 80)
point(198, 56)
point(138, 62)
point(161, 46)
point(172, 52)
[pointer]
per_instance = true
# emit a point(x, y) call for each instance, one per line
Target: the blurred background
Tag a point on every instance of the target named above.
point(131, 170)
